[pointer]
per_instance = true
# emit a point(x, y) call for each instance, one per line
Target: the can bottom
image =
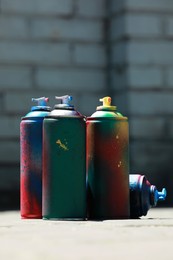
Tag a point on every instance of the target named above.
point(31, 217)
point(64, 219)
point(108, 218)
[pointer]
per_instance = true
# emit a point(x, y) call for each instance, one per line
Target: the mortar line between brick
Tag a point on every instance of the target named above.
point(75, 7)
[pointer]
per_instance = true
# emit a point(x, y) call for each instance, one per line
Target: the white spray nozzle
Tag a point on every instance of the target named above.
point(42, 101)
point(65, 99)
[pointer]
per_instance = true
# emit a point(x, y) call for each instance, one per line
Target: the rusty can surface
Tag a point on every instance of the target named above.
point(107, 163)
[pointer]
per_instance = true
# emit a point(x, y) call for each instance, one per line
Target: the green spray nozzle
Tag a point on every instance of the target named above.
point(65, 99)
point(42, 101)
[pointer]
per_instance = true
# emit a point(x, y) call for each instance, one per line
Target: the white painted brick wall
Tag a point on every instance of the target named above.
point(15, 77)
point(147, 128)
point(136, 25)
point(121, 101)
point(116, 6)
point(12, 27)
point(118, 27)
point(151, 103)
point(10, 127)
point(150, 53)
point(169, 30)
point(119, 53)
point(171, 129)
point(71, 79)
point(91, 8)
point(1, 102)
point(37, 7)
point(144, 77)
point(19, 102)
point(142, 54)
point(59, 47)
point(10, 178)
point(71, 29)
point(143, 25)
point(119, 79)
point(34, 53)
point(89, 101)
point(154, 160)
point(150, 5)
point(138, 77)
point(170, 77)
point(9, 151)
point(91, 55)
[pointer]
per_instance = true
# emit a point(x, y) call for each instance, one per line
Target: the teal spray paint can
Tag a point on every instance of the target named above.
point(64, 163)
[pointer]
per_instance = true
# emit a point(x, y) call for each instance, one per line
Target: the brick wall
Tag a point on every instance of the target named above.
point(89, 49)
point(47, 48)
point(142, 47)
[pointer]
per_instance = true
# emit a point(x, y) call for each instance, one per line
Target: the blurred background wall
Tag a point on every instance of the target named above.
point(89, 49)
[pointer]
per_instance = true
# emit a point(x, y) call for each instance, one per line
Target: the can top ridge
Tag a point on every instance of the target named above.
point(64, 108)
point(106, 104)
point(65, 101)
point(107, 110)
point(41, 104)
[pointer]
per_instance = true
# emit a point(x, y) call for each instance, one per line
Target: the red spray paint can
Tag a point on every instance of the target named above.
point(107, 163)
point(31, 160)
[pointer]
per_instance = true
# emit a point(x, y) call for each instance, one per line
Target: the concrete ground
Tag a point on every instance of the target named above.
point(150, 237)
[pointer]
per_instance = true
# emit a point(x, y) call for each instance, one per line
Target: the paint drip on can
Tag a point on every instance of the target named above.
point(107, 163)
point(64, 160)
point(143, 195)
point(31, 160)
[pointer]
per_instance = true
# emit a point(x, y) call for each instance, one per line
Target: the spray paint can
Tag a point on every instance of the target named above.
point(31, 160)
point(107, 163)
point(143, 195)
point(64, 160)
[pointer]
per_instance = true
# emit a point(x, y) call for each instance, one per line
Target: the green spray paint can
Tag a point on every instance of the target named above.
point(64, 163)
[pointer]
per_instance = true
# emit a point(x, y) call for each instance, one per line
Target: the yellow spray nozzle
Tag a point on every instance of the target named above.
point(106, 101)
point(106, 104)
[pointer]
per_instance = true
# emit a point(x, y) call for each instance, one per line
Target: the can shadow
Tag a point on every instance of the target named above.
point(9, 200)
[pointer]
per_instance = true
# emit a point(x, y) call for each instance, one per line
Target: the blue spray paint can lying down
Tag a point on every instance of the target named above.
point(143, 195)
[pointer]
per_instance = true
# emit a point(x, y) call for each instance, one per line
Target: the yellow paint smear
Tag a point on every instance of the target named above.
point(119, 165)
point(63, 146)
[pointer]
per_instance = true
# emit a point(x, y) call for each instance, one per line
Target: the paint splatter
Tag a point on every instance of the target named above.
point(119, 165)
point(63, 146)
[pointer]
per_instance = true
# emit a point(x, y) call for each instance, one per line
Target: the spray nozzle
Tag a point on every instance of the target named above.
point(42, 101)
point(161, 194)
point(65, 99)
point(157, 195)
point(106, 104)
point(106, 101)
